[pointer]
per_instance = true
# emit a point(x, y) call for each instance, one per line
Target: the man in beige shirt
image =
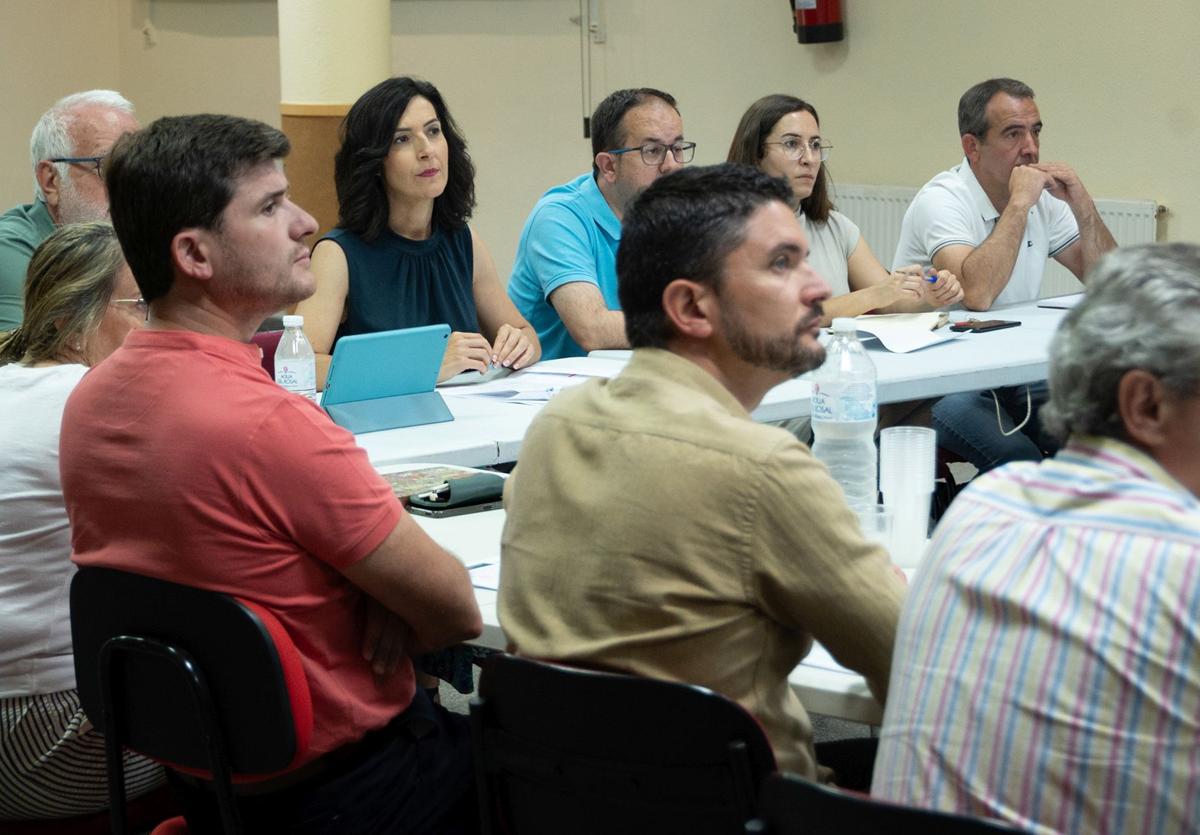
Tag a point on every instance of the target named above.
point(653, 526)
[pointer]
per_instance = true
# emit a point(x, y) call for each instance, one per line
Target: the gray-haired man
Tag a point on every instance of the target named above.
point(1047, 664)
point(67, 149)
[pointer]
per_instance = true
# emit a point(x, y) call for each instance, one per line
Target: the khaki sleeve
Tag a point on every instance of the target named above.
point(815, 572)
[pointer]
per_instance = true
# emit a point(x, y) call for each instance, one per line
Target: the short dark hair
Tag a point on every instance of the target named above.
point(366, 135)
point(177, 173)
point(606, 120)
point(684, 226)
point(972, 107)
point(756, 125)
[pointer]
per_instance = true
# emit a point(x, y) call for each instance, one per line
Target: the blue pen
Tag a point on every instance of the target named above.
point(931, 274)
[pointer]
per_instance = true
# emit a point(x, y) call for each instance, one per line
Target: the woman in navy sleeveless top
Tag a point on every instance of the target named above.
point(403, 254)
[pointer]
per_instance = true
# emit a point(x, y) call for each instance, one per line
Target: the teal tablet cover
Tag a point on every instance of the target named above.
point(386, 380)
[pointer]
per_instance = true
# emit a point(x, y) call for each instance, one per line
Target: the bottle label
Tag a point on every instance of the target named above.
point(843, 401)
point(298, 375)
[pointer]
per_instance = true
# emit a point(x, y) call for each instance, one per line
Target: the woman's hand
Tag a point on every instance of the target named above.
point(513, 349)
point(901, 285)
point(465, 352)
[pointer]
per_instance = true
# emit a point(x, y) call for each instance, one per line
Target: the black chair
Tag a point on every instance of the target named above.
point(792, 805)
point(209, 684)
point(560, 749)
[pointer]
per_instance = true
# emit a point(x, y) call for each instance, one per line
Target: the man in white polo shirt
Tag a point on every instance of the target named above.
point(993, 220)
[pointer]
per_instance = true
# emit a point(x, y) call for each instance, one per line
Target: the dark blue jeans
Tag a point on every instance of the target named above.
point(418, 777)
point(966, 425)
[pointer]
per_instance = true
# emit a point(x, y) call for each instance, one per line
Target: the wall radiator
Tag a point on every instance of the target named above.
point(878, 211)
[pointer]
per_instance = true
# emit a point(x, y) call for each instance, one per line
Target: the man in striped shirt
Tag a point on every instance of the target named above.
point(1047, 665)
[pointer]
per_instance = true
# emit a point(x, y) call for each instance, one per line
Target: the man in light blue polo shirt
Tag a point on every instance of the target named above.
point(564, 279)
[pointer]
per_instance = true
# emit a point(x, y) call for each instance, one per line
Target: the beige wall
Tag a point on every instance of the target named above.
point(83, 35)
point(1117, 93)
point(199, 56)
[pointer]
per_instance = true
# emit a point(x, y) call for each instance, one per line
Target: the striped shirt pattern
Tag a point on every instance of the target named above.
point(1047, 667)
point(52, 760)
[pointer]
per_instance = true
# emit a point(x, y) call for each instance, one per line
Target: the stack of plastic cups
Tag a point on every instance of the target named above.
point(907, 464)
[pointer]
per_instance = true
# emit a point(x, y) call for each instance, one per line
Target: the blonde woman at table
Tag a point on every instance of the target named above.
point(80, 302)
point(781, 136)
point(403, 255)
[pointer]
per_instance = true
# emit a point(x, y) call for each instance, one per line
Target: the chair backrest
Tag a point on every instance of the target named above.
point(791, 805)
point(204, 682)
point(268, 341)
point(560, 749)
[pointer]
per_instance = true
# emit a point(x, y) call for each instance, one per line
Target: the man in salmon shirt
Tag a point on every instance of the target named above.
point(181, 459)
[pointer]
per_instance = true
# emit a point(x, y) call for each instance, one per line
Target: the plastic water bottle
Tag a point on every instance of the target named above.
point(844, 408)
point(295, 365)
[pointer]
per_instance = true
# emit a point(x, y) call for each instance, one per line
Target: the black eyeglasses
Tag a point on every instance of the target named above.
point(653, 153)
point(97, 163)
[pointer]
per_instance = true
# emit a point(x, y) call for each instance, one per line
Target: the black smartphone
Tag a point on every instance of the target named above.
point(984, 325)
point(461, 510)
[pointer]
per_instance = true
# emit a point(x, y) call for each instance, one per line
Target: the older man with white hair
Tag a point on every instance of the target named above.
point(1047, 663)
point(68, 149)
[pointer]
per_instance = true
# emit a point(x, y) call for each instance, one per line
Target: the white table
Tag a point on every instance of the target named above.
point(482, 433)
point(487, 431)
point(474, 539)
point(821, 685)
point(971, 362)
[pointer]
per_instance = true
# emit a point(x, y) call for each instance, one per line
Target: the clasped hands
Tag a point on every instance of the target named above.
point(1027, 182)
point(472, 352)
point(943, 290)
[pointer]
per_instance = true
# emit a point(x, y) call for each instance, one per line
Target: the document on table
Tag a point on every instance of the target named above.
point(485, 575)
point(819, 657)
point(518, 389)
point(583, 366)
point(1061, 302)
point(541, 381)
point(471, 378)
point(904, 332)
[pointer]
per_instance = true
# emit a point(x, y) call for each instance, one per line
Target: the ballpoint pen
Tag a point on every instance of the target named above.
point(436, 494)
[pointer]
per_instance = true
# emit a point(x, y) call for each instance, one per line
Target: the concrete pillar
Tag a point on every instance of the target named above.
point(329, 55)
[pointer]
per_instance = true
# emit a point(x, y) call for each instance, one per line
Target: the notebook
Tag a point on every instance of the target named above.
point(386, 380)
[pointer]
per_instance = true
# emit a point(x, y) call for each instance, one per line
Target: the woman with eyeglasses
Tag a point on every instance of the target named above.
point(80, 302)
point(781, 135)
point(403, 254)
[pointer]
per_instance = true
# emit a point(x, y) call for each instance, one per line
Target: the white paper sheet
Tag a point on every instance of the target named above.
point(540, 381)
point(520, 388)
point(819, 657)
point(1061, 302)
point(584, 366)
point(486, 576)
point(904, 332)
